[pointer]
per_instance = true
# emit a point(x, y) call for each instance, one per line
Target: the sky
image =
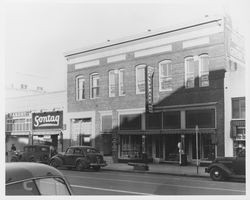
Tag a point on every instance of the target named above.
point(38, 33)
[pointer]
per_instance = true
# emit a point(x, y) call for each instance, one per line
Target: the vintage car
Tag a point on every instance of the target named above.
point(32, 153)
point(24, 178)
point(79, 157)
point(228, 167)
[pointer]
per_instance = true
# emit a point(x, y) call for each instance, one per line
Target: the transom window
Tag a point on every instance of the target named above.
point(140, 79)
point(80, 88)
point(204, 70)
point(165, 73)
point(189, 72)
point(94, 85)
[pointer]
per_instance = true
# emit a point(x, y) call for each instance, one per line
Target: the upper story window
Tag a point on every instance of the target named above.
point(204, 70)
point(238, 108)
point(140, 79)
point(121, 82)
point(80, 88)
point(189, 72)
point(165, 75)
point(94, 85)
point(112, 83)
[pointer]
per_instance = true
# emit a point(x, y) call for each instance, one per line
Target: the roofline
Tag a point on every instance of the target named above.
point(144, 35)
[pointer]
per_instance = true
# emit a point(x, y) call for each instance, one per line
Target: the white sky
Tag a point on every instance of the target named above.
point(37, 33)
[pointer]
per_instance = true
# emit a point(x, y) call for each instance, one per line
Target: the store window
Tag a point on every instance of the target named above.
point(130, 122)
point(189, 72)
point(238, 108)
point(94, 85)
point(112, 83)
point(121, 82)
point(204, 118)
point(204, 70)
point(80, 88)
point(153, 120)
point(172, 120)
point(130, 146)
point(140, 79)
point(165, 75)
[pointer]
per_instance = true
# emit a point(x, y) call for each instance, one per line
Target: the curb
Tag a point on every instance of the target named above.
point(154, 172)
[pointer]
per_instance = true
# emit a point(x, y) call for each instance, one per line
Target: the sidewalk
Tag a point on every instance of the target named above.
point(170, 169)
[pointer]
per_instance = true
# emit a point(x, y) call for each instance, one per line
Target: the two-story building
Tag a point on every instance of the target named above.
point(106, 93)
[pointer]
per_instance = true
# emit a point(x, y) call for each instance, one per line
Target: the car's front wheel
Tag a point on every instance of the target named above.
point(96, 168)
point(53, 163)
point(79, 166)
point(216, 174)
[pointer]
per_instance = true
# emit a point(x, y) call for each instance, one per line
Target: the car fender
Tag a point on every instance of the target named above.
point(58, 160)
point(222, 167)
point(84, 160)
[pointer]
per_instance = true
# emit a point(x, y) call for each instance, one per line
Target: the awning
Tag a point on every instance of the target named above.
point(168, 131)
point(56, 132)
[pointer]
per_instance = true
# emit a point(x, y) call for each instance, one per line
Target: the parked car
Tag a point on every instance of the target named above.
point(32, 153)
point(25, 178)
point(79, 157)
point(227, 167)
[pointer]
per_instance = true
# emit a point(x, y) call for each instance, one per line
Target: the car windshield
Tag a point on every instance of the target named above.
point(52, 186)
point(43, 186)
point(91, 150)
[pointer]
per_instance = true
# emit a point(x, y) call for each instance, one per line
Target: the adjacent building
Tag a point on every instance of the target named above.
point(186, 72)
point(39, 118)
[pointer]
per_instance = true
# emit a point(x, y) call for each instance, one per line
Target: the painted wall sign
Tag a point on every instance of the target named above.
point(47, 120)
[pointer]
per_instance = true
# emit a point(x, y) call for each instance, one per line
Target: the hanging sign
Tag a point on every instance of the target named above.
point(149, 73)
point(47, 120)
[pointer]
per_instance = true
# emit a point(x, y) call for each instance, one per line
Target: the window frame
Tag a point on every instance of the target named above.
point(91, 85)
point(119, 82)
point(203, 73)
point(168, 77)
point(137, 67)
point(187, 73)
point(78, 88)
point(109, 83)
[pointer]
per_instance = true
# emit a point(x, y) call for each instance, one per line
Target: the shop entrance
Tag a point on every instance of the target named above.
point(171, 147)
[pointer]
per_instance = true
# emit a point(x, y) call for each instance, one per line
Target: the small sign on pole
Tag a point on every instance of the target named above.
point(197, 149)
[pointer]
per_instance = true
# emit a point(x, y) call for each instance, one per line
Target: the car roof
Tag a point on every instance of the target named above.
point(17, 171)
point(81, 147)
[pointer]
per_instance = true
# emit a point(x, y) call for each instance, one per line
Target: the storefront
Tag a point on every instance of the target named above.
point(164, 131)
point(238, 134)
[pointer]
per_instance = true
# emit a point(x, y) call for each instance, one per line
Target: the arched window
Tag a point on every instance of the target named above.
point(165, 75)
point(203, 70)
point(189, 72)
point(140, 79)
point(80, 88)
point(94, 85)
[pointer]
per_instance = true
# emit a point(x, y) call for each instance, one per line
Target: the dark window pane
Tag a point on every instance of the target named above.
point(235, 109)
point(106, 123)
point(130, 122)
point(242, 108)
point(171, 120)
point(153, 120)
point(202, 118)
point(22, 188)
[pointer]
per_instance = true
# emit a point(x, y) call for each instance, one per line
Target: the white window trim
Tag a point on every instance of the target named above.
point(77, 88)
point(169, 77)
point(91, 86)
point(109, 89)
point(200, 71)
point(119, 83)
point(136, 68)
point(185, 63)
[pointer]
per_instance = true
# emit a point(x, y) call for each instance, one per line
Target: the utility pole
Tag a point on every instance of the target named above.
point(197, 148)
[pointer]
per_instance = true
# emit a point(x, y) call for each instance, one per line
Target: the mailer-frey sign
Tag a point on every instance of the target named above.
point(47, 120)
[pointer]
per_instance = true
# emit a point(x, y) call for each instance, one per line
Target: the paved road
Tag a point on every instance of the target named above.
point(122, 183)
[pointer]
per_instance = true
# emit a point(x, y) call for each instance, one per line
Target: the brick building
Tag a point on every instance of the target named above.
point(106, 93)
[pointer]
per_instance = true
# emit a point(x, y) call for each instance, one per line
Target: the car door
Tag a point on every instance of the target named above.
point(69, 156)
point(77, 154)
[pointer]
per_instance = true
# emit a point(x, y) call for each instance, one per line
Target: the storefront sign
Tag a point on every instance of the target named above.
point(47, 120)
point(149, 73)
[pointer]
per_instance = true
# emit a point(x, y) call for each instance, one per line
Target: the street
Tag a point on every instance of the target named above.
point(122, 183)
